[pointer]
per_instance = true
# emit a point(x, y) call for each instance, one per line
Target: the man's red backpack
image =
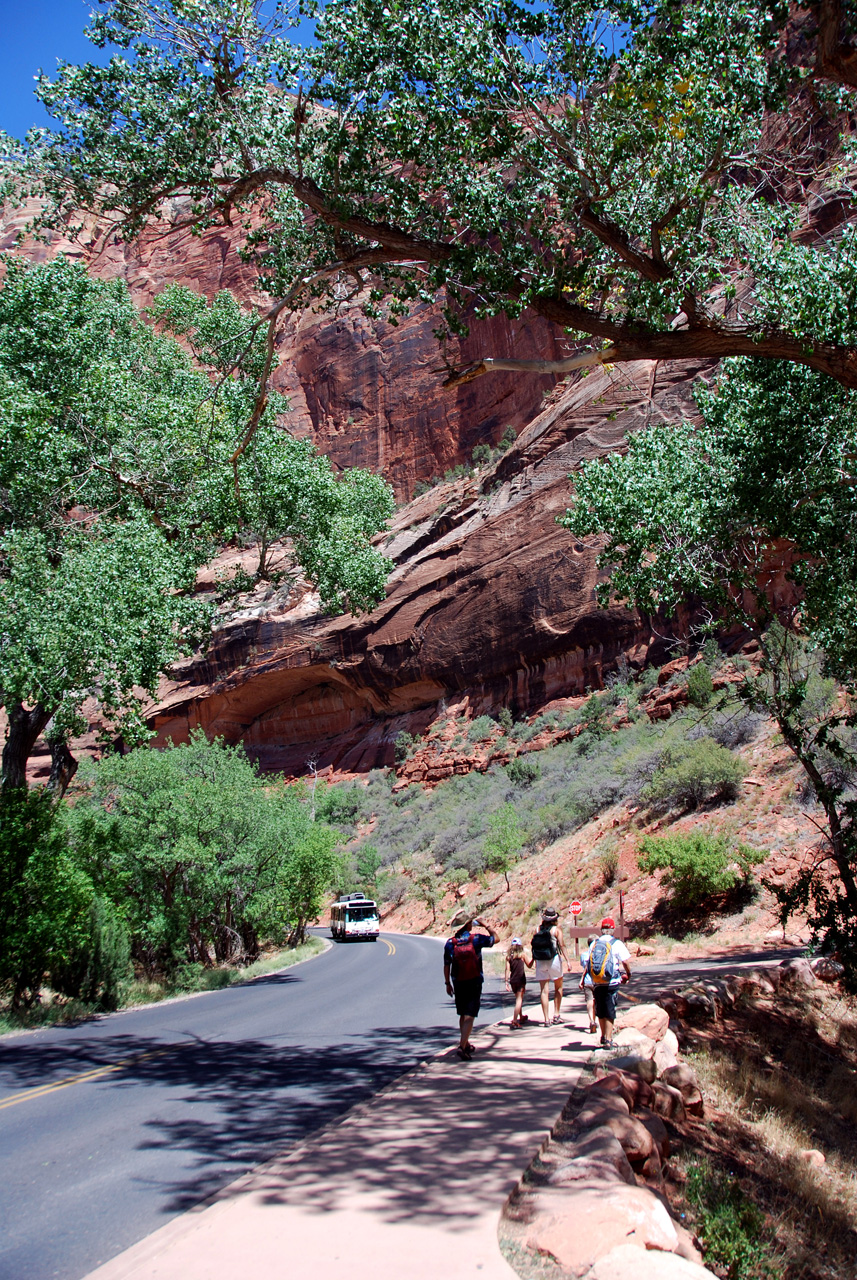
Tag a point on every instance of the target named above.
point(465, 960)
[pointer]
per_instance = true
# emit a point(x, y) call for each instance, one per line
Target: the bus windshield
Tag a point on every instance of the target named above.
point(365, 911)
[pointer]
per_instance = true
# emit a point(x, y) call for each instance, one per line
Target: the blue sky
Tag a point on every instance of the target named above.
point(36, 35)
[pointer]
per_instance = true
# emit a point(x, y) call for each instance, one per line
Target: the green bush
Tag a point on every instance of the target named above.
point(45, 897)
point(95, 970)
point(481, 728)
point(730, 1224)
point(523, 771)
point(699, 771)
point(405, 743)
point(481, 455)
point(507, 723)
point(698, 866)
point(594, 715)
point(700, 687)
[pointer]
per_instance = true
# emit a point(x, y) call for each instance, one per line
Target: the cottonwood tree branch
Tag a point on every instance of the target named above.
point(586, 360)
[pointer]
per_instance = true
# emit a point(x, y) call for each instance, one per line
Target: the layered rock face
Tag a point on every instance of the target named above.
point(489, 602)
point(369, 393)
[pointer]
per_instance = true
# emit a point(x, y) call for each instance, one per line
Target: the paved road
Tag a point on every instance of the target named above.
point(168, 1103)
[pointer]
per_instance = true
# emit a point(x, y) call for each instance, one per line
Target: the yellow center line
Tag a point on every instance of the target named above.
point(96, 1073)
point(391, 947)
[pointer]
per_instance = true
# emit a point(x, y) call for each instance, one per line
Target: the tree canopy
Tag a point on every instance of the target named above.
point(125, 463)
point(637, 173)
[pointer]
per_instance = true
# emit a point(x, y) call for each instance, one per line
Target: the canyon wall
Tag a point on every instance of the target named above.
point(490, 602)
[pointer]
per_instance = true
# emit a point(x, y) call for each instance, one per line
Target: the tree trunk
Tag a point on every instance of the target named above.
point(24, 729)
point(63, 769)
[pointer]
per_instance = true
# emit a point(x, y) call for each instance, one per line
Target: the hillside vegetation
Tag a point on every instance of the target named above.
point(586, 791)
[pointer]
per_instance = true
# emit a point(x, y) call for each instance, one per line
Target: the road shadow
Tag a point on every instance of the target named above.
point(240, 1101)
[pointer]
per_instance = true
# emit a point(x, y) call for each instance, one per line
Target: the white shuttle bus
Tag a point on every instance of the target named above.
point(354, 916)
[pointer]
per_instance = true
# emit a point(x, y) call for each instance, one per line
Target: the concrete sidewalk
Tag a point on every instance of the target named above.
point(411, 1182)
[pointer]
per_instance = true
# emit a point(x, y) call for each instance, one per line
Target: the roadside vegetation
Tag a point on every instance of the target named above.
point(769, 1183)
point(163, 871)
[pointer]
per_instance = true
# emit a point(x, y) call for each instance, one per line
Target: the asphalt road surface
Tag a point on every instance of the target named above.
point(110, 1128)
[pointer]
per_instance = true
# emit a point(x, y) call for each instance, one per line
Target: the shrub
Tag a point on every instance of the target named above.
point(698, 866)
point(393, 888)
point(608, 864)
point(730, 1224)
point(523, 771)
point(648, 679)
point(101, 961)
point(405, 743)
point(507, 724)
point(481, 728)
point(698, 772)
point(594, 716)
point(732, 728)
point(700, 687)
point(45, 897)
point(481, 455)
point(342, 806)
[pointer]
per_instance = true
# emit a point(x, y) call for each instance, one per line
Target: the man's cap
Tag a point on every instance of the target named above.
point(608, 923)
point(549, 914)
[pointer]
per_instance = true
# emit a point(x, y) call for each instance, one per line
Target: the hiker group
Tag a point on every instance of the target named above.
point(605, 967)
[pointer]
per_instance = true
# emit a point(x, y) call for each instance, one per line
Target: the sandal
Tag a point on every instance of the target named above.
point(593, 1027)
point(558, 1021)
point(463, 1054)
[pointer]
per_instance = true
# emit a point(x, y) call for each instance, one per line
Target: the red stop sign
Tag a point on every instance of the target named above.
point(576, 908)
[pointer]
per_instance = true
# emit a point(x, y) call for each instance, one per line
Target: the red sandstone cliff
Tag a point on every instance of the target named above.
point(489, 599)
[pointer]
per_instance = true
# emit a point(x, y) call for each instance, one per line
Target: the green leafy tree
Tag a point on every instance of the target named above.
point(204, 856)
point(305, 877)
point(698, 867)
point(368, 864)
point(503, 841)
point(587, 163)
point(125, 463)
point(717, 513)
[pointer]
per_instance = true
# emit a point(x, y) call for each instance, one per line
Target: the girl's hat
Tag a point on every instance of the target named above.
point(516, 942)
point(549, 914)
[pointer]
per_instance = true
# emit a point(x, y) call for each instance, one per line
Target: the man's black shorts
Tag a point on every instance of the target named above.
point(468, 993)
point(605, 1002)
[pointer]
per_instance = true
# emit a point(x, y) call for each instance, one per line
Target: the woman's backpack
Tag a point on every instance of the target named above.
point(544, 945)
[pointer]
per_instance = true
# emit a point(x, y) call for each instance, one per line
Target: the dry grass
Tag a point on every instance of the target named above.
point(779, 1080)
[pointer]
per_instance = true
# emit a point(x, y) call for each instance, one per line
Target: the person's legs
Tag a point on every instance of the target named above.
point(519, 1005)
point(557, 999)
point(605, 1007)
point(590, 1008)
point(465, 1023)
point(544, 983)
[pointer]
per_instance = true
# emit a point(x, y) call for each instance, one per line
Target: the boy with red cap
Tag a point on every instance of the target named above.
point(608, 956)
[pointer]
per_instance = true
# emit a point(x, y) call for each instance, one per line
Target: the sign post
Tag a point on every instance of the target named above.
point(575, 910)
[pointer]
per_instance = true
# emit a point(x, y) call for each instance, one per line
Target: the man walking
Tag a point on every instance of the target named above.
point(608, 956)
point(462, 973)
